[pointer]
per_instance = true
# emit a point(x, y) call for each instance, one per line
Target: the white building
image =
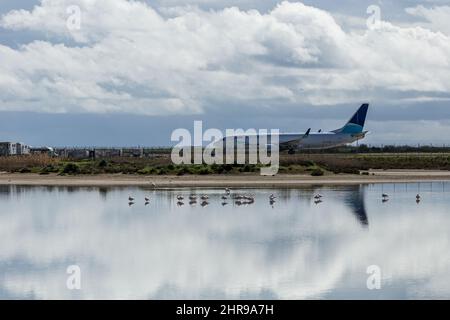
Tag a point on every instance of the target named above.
point(22, 149)
point(13, 148)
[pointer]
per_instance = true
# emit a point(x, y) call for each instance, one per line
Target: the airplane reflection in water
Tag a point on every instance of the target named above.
point(355, 201)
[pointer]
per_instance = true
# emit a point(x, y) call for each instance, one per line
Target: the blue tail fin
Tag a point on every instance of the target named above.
point(356, 123)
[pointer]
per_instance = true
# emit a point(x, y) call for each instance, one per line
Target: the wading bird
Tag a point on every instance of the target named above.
point(204, 203)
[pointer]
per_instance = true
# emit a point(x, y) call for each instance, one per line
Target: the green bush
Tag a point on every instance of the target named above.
point(182, 171)
point(48, 169)
point(204, 171)
point(220, 169)
point(146, 170)
point(102, 163)
point(317, 172)
point(247, 168)
point(71, 168)
point(227, 167)
point(305, 163)
point(350, 171)
point(162, 171)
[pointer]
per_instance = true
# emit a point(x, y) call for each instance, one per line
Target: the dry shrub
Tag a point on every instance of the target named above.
point(160, 159)
point(16, 163)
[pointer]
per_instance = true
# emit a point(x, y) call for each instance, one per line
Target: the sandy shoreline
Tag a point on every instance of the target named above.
point(243, 180)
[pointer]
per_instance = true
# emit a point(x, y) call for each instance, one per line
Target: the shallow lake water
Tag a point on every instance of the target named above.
point(293, 248)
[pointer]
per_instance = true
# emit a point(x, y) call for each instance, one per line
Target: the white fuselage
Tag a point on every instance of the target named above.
point(318, 140)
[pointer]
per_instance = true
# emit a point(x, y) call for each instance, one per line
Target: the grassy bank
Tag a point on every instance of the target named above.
point(313, 164)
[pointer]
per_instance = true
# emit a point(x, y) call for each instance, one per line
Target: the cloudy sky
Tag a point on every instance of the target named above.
point(129, 72)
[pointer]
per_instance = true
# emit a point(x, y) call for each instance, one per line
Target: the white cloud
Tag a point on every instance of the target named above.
point(437, 18)
point(296, 251)
point(128, 57)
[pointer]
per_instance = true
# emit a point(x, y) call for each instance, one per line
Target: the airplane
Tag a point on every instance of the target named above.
point(352, 131)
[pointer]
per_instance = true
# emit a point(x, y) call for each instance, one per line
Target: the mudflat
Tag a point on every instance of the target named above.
point(241, 180)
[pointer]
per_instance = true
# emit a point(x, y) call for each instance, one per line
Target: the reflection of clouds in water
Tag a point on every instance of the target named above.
point(297, 250)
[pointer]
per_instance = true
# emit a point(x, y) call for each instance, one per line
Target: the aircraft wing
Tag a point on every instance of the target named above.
point(295, 142)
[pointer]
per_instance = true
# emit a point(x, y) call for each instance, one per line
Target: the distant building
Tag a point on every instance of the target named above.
point(149, 152)
point(107, 152)
point(13, 148)
point(78, 153)
point(7, 148)
point(60, 152)
point(132, 152)
point(42, 150)
point(74, 153)
point(22, 149)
